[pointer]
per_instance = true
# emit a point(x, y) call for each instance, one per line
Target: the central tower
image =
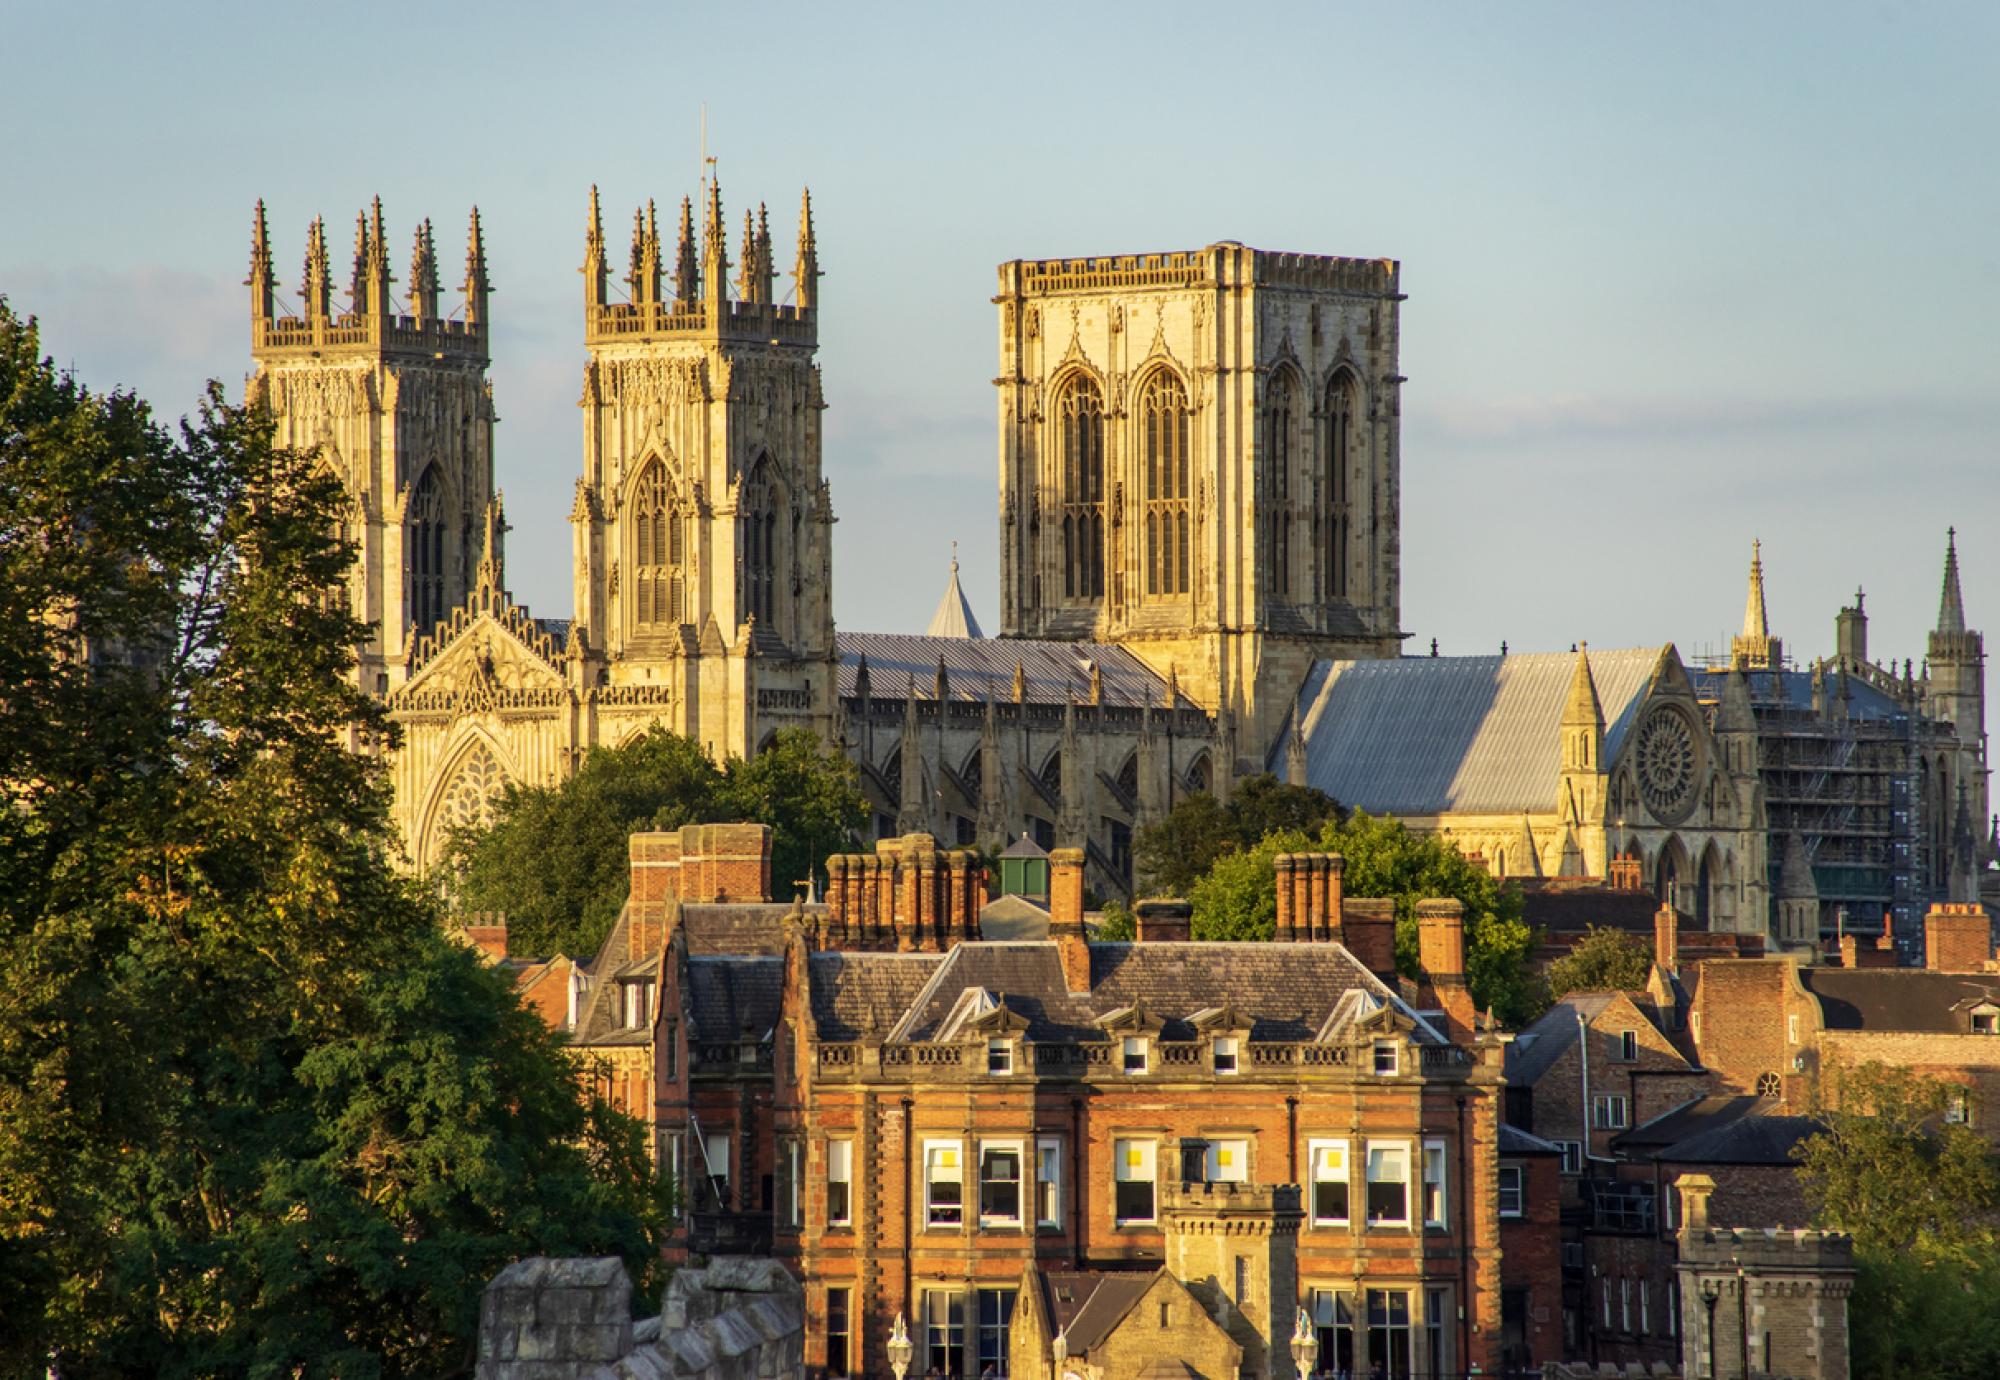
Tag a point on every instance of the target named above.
point(1199, 460)
point(702, 522)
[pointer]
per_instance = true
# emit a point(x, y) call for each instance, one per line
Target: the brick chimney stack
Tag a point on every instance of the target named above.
point(1368, 929)
point(1441, 952)
point(1957, 938)
point(1066, 916)
point(1164, 921)
point(1667, 939)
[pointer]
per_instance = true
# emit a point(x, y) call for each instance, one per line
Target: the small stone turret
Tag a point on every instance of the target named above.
point(1235, 1245)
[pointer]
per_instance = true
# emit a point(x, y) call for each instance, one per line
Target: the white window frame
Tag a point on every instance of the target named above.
point(1435, 1160)
point(1387, 1148)
point(1518, 1175)
point(1986, 1022)
point(674, 1144)
point(1019, 1152)
point(1572, 1156)
point(1624, 1304)
point(1390, 1066)
point(1957, 1108)
point(715, 1152)
point(1139, 1046)
point(955, 1151)
point(1226, 1160)
point(1610, 1112)
point(999, 1058)
point(1123, 1170)
point(840, 1170)
point(1230, 1048)
point(1343, 1168)
point(1645, 1311)
point(1048, 1152)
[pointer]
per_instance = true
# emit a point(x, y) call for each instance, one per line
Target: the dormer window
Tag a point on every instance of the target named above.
point(1387, 1060)
point(1225, 1054)
point(1135, 1054)
point(638, 1005)
point(1986, 1020)
point(999, 1057)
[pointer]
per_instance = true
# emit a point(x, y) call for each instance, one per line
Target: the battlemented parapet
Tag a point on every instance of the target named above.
point(1235, 1246)
point(1761, 1302)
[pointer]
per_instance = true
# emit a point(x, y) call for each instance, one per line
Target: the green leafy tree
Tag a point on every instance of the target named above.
point(1606, 959)
point(256, 1113)
point(1920, 1194)
point(1116, 924)
point(556, 858)
point(1179, 850)
point(1237, 899)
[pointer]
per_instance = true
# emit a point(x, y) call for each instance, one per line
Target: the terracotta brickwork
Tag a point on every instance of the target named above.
point(1742, 1022)
point(1958, 939)
point(907, 894)
point(1531, 1265)
point(703, 863)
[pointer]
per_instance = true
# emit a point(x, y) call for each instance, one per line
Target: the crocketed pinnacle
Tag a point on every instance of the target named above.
point(1951, 608)
point(1755, 624)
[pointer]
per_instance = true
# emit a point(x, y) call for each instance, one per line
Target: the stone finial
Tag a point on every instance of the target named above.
point(423, 275)
point(1951, 606)
point(687, 268)
point(1696, 1190)
point(317, 289)
point(807, 272)
point(477, 286)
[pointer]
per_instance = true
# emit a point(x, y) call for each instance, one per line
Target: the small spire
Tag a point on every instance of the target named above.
point(1583, 709)
point(477, 286)
point(1020, 682)
point(954, 617)
point(687, 270)
point(942, 690)
point(1951, 608)
point(491, 576)
point(636, 270)
point(649, 258)
point(747, 259)
point(423, 275)
point(358, 292)
point(318, 287)
point(261, 282)
point(1096, 683)
point(807, 273)
point(593, 254)
point(715, 247)
point(1755, 624)
point(766, 267)
point(378, 262)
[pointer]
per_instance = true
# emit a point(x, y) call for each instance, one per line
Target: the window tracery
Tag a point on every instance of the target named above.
point(425, 537)
point(1164, 434)
point(1080, 424)
point(659, 552)
point(757, 525)
point(1276, 508)
point(1336, 515)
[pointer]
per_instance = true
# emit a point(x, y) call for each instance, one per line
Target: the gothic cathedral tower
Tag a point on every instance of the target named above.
point(394, 398)
point(702, 524)
point(1199, 460)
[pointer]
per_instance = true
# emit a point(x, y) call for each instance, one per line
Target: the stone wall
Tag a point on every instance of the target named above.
point(735, 1319)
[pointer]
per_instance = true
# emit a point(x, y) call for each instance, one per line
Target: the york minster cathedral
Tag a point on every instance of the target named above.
point(1199, 494)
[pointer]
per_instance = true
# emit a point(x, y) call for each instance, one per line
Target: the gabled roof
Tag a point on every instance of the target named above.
point(1087, 1305)
point(1514, 1141)
point(1479, 734)
point(854, 994)
point(739, 927)
point(1691, 1118)
point(735, 998)
point(1914, 999)
point(1755, 1139)
point(1535, 1050)
point(981, 668)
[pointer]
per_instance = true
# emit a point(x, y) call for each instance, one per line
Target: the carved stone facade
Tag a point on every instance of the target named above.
point(393, 395)
point(1199, 461)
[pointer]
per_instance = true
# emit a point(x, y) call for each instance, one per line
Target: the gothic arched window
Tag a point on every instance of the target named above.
point(1163, 452)
point(757, 525)
point(1080, 433)
point(659, 552)
point(1276, 501)
point(1337, 459)
point(424, 538)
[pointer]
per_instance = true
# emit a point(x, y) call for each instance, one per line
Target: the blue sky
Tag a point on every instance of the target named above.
point(1679, 275)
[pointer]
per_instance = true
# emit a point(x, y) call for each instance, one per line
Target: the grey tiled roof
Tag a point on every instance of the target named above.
point(1088, 1305)
point(1697, 1117)
point(849, 988)
point(1767, 1140)
point(1896, 998)
point(1287, 990)
point(978, 667)
point(733, 927)
point(1028, 976)
point(1512, 1140)
point(735, 998)
point(1424, 735)
point(1536, 1049)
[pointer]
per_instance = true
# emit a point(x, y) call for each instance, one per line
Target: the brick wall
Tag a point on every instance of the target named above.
point(1957, 938)
point(701, 863)
point(1531, 1262)
point(1740, 1021)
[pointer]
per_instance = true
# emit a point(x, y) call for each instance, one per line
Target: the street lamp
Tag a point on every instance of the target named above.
point(1305, 1346)
point(1711, 1289)
point(1059, 1349)
point(900, 1349)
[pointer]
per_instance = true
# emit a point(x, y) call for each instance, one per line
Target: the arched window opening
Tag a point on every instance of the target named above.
point(1337, 454)
point(1080, 423)
point(757, 521)
point(425, 535)
point(1277, 498)
point(659, 552)
point(1052, 772)
point(1704, 911)
point(1164, 434)
point(1198, 775)
point(1128, 777)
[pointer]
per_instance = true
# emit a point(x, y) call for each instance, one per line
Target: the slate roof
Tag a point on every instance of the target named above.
point(739, 927)
point(1697, 1117)
point(1897, 998)
point(978, 667)
point(1535, 1050)
point(1765, 1140)
point(846, 988)
point(1087, 1305)
point(1291, 992)
point(1013, 917)
point(1478, 734)
point(1793, 690)
point(735, 998)
point(1576, 909)
point(1514, 1141)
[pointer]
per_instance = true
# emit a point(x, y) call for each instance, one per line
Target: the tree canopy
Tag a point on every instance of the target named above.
point(555, 858)
point(1900, 1168)
point(1180, 849)
point(1606, 959)
point(1238, 899)
point(256, 1112)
